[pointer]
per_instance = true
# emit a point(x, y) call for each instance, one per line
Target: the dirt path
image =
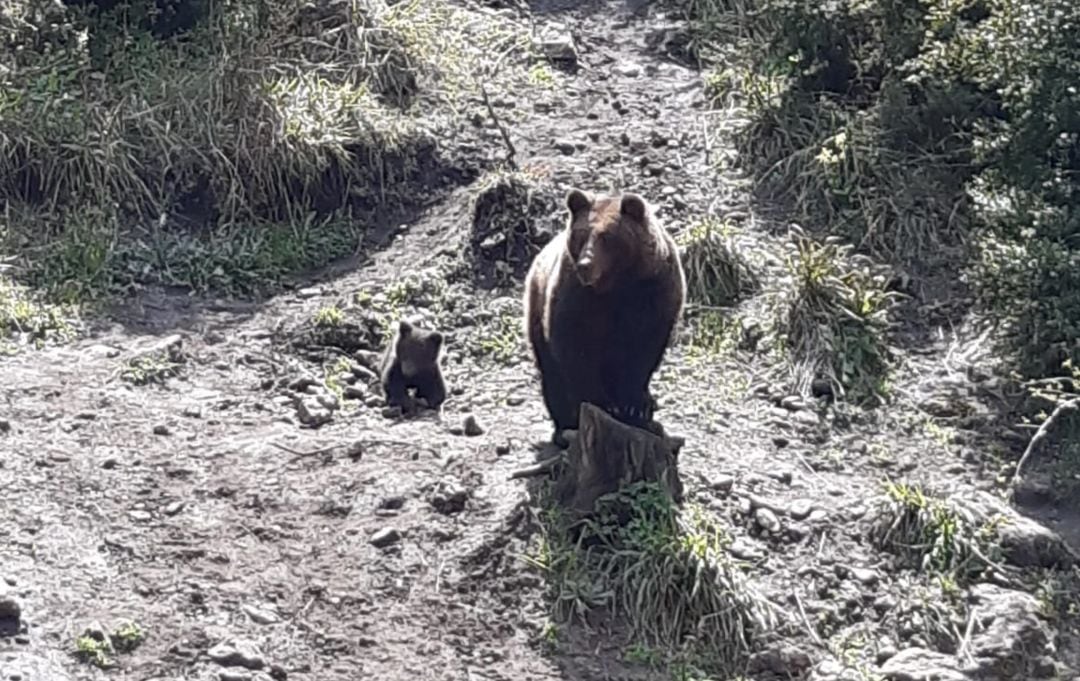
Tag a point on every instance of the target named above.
point(205, 512)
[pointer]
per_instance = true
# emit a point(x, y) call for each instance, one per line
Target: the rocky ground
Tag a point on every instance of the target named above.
point(219, 481)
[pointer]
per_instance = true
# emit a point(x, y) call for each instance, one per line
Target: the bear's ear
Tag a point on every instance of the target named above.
point(633, 207)
point(436, 339)
point(578, 201)
point(404, 327)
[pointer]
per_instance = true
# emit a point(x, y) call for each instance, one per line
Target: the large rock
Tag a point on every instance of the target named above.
point(1024, 542)
point(919, 664)
point(1012, 640)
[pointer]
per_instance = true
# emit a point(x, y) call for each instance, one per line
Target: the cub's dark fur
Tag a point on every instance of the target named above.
point(412, 361)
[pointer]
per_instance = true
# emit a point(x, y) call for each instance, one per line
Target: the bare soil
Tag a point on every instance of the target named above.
point(204, 510)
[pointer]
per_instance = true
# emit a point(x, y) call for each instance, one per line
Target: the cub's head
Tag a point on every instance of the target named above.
point(610, 236)
point(417, 349)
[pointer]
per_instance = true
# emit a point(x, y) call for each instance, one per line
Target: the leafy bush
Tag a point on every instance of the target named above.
point(933, 132)
point(834, 321)
point(141, 119)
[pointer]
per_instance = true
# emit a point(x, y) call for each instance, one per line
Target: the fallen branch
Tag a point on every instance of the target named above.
point(1041, 433)
point(538, 468)
point(510, 149)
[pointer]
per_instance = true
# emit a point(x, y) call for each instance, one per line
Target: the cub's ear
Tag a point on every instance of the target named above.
point(436, 339)
point(578, 201)
point(633, 207)
point(404, 327)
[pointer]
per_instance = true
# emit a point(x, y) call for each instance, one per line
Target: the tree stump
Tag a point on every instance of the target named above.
point(607, 455)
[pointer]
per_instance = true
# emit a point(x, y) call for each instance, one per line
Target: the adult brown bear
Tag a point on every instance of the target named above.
point(601, 301)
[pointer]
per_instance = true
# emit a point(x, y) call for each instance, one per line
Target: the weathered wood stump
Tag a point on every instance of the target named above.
point(605, 456)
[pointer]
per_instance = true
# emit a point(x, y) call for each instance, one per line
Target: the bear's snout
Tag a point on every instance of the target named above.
point(586, 270)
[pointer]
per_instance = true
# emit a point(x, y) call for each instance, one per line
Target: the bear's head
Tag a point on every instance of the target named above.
point(610, 237)
point(417, 349)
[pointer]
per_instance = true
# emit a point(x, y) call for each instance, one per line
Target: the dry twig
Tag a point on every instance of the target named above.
point(1040, 434)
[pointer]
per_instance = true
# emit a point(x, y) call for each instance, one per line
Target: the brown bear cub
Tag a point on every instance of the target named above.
point(412, 361)
point(601, 302)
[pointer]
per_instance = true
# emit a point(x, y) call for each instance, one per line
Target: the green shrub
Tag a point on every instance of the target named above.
point(943, 134)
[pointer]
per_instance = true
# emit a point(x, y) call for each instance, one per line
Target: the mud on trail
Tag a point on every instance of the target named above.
point(225, 476)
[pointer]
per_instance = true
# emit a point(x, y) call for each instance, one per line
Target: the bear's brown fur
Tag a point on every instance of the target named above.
point(411, 360)
point(601, 302)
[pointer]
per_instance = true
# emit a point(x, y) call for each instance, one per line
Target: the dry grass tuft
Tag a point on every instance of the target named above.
point(833, 321)
point(717, 272)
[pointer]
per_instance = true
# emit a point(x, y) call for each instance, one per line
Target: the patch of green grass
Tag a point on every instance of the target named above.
point(329, 316)
point(717, 272)
point(340, 366)
point(425, 293)
point(643, 655)
point(94, 651)
point(934, 535)
point(25, 317)
point(541, 75)
point(937, 135)
point(128, 636)
point(154, 367)
point(1058, 593)
point(834, 320)
point(501, 340)
point(663, 571)
point(550, 635)
point(256, 145)
point(714, 333)
point(149, 370)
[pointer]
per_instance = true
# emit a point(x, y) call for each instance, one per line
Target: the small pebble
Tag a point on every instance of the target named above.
point(722, 483)
point(767, 520)
point(260, 616)
point(502, 450)
point(470, 427)
point(10, 607)
point(161, 429)
point(385, 537)
point(393, 503)
point(800, 509)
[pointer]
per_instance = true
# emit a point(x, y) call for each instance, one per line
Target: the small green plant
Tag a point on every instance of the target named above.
point(714, 333)
point(150, 369)
point(717, 273)
point(540, 75)
point(643, 655)
point(550, 635)
point(26, 317)
point(128, 636)
point(937, 536)
point(333, 382)
point(834, 322)
point(501, 339)
point(94, 651)
point(330, 316)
